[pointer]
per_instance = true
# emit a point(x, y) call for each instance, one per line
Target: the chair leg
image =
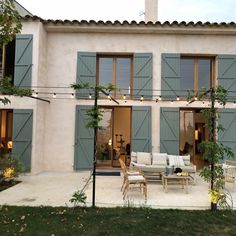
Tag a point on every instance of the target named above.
point(123, 184)
point(145, 190)
point(126, 188)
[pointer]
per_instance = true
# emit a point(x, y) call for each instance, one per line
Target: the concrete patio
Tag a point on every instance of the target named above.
point(55, 189)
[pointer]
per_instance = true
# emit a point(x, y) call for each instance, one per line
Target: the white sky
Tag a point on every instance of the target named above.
point(168, 10)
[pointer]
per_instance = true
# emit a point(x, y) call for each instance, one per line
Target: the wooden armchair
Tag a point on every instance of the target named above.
point(132, 177)
point(230, 172)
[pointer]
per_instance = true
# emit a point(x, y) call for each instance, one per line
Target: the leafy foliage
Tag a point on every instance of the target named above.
point(10, 22)
point(7, 163)
point(78, 197)
point(6, 88)
point(213, 151)
point(95, 114)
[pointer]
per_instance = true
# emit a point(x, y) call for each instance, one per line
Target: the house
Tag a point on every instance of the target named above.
point(155, 66)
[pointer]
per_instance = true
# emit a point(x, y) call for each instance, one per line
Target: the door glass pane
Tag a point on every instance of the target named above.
point(104, 137)
point(186, 133)
point(6, 131)
point(187, 74)
point(123, 74)
point(204, 73)
point(105, 70)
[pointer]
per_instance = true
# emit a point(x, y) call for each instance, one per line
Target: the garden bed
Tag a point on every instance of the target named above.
point(5, 184)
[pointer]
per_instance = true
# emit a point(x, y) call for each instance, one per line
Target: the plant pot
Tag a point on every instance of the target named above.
point(213, 206)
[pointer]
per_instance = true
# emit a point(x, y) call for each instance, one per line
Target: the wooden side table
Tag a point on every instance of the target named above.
point(175, 179)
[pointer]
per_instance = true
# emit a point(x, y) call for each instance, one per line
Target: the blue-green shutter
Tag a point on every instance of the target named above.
point(169, 130)
point(84, 140)
point(22, 136)
point(228, 121)
point(141, 129)
point(86, 72)
point(170, 76)
point(142, 75)
point(23, 60)
point(227, 74)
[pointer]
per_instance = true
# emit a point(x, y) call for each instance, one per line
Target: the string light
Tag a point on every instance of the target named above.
point(195, 98)
point(90, 96)
point(54, 95)
point(160, 98)
point(124, 96)
point(36, 94)
point(177, 98)
point(72, 95)
point(141, 99)
point(171, 102)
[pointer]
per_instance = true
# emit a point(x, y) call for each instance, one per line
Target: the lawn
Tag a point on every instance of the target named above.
point(114, 221)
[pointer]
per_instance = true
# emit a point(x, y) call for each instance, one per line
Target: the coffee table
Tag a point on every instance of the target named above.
point(175, 179)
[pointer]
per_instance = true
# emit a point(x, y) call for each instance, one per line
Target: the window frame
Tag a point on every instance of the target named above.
point(196, 58)
point(114, 66)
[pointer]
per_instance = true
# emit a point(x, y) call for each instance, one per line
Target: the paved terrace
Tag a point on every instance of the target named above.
point(55, 189)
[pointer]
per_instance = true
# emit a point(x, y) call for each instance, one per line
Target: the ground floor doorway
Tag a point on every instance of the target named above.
point(114, 136)
point(193, 130)
point(6, 120)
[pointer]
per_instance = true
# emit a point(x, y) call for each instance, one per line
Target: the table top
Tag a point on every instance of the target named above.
point(175, 176)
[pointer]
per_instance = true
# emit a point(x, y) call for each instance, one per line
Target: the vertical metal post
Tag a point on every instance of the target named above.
point(212, 132)
point(95, 148)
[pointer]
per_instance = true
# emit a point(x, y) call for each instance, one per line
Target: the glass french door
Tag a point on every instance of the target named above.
point(104, 138)
point(193, 131)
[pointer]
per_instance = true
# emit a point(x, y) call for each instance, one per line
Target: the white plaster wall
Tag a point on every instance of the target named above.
point(39, 72)
point(56, 121)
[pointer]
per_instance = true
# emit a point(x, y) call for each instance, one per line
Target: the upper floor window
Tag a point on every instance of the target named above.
point(117, 71)
point(7, 61)
point(196, 73)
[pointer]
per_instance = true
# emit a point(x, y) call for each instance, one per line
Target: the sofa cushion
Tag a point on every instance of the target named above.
point(153, 168)
point(186, 160)
point(144, 158)
point(159, 158)
point(189, 169)
point(176, 161)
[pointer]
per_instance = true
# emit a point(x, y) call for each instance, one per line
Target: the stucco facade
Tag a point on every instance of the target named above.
point(55, 47)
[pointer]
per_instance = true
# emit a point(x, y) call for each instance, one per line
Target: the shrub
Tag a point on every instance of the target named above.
point(10, 167)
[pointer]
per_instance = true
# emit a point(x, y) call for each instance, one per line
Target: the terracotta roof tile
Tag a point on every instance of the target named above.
point(132, 23)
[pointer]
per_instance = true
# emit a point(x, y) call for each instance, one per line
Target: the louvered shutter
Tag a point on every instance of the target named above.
point(22, 136)
point(142, 75)
point(84, 140)
point(170, 76)
point(228, 121)
point(23, 61)
point(86, 72)
point(227, 74)
point(141, 129)
point(169, 130)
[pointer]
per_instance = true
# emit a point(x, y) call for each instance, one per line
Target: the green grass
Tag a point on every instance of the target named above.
point(114, 221)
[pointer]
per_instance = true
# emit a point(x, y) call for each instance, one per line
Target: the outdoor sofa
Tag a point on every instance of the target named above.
point(154, 164)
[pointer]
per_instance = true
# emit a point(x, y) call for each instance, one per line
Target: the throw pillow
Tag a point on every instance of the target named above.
point(159, 158)
point(133, 157)
point(144, 158)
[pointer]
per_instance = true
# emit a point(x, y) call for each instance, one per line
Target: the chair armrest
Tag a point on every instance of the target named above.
point(136, 164)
